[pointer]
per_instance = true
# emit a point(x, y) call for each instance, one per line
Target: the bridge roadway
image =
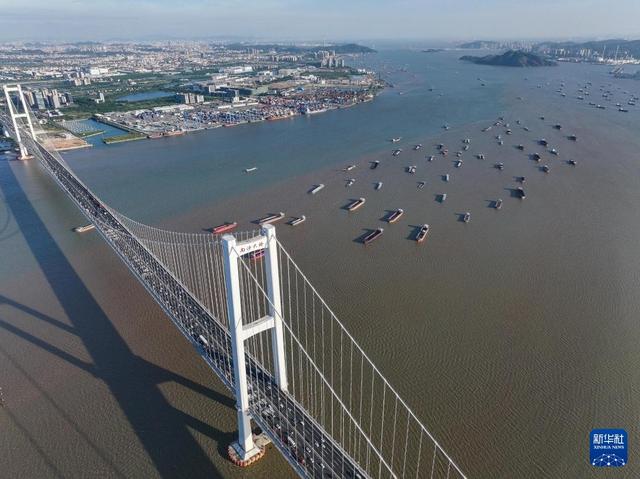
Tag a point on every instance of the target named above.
point(305, 444)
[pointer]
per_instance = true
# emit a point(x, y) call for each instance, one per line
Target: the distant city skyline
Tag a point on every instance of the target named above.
point(289, 20)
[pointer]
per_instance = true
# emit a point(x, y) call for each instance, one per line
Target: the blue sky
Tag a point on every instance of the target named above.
point(317, 19)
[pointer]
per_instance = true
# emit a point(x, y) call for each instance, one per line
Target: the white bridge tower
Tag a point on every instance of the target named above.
point(245, 450)
point(15, 113)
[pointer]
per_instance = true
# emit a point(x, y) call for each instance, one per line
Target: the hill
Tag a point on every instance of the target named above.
point(512, 58)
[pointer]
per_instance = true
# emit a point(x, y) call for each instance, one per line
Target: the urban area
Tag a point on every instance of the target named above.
point(170, 88)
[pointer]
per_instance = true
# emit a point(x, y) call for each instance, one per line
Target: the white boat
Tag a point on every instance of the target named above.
point(84, 229)
point(316, 188)
point(249, 170)
point(350, 167)
point(446, 177)
point(298, 220)
point(378, 185)
point(350, 181)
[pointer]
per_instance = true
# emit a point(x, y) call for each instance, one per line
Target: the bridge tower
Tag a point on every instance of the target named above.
point(15, 113)
point(244, 451)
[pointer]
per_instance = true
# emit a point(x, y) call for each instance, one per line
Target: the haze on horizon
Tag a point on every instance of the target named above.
point(77, 20)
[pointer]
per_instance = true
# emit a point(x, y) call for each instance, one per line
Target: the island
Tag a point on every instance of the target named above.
point(512, 58)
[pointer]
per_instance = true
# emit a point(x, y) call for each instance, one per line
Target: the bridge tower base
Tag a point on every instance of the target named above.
point(242, 458)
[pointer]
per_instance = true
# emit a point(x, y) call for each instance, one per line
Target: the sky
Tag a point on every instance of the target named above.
point(330, 20)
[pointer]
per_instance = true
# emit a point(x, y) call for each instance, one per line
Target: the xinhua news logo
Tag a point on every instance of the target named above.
point(608, 447)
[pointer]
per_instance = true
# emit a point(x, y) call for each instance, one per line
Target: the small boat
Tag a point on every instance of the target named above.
point(372, 236)
point(84, 229)
point(554, 151)
point(350, 167)
point(465, 147)
point(446, 177)
point(446, 127)
point(418, 146)
point(466, 141)
point(350, 181)
point(396, 140)
point(374, 164)
point(422, 233)
point(440, 146)
point(526, 128)
point(558, 126)
point(623, 110)
point(545, 168)
point(411, 169)
point(459, 154)
point(397, 152)
point(316, 188)
point(224, 227)
point(501, 143)
point(249, 170)
point(378, 185)
point(271, 219)
point(520, 193)
point(543, 142)
point(520, 179)
point(508, 132)
point(431, 158)
point(497, 204)
point(395, 216)
point(467, 217)
point(573, 137)
point(354, 205)
point(480, 156)
point(256, 255)
point(458, 163)
point(520, 147)
point(443, 197)
point(572, 162)
point(421, 184)
point(500, 166)
point(298, 220)
point(537, 157)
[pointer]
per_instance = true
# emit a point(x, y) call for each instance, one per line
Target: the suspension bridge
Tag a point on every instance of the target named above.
point(257, 321)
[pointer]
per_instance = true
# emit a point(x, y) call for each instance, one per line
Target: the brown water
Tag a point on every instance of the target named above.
point(511, 336)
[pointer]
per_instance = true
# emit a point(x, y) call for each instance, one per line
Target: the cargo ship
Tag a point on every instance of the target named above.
point(271, 219)
point(372, 236)
point(298, 220)
point(395, 216)
point(422, 233)
point(354, 205)
point(316, 188)
point(223, 228)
